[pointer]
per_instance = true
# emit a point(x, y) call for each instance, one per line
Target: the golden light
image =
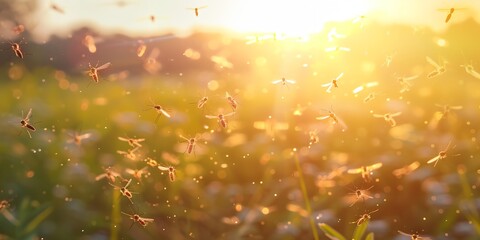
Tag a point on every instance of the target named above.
point(296, 19)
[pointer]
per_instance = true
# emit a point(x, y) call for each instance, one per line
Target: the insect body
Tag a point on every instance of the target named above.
point(364, 217)
point(284, 81)
point(450, 12)
point(333, 83)
point(365, 171)
point(171, 172)
point(221, 118)
point(201, 103)
point(196, 9)
point(232, 101)
point(124, 190)
point(361, 194)
point(140, 220)
point(25, 123)
point(93, 71)
point(389, 117)
point(16, 49)
point(191, 144)
point(136, 173)
point(438, 69)
point(441, 155)
point(134, 142)
point(414, 236)
point(109, 174)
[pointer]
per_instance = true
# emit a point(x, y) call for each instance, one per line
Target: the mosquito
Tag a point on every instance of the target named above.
point(399, 172)
point(171, 172)
point(370, 97)
point(438, 69)
point(142, 221)
point(17, 49)
point(160, 111)
point(442, 154)
point(470, 70)
point(196, 9)
point(414, 236)
point(124, 190)
point(389, 117)
point(93, 71)
point(284, 81)
point(232, 101)
point(201, 103)
point(361, 194)
point(130, 154)
point(364, 86)
point(366, 171)
point(333, 83)
point(78, 138)
point(221, 118)
point(364, 217)
point(191, 143)
point(450, 12)
point(137, 173)
point(388, 60)
point(109, 174)
point(313, 137)
point(447, 109)
point(406, 82)
point(133, 142)
point(25, 123)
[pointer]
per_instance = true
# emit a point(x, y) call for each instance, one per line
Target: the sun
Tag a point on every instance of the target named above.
point(301, 17)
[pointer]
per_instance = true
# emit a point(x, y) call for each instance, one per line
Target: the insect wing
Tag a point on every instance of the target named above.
point(374, 166)
point(211, 116)
point(106, 65)
point(433, 63)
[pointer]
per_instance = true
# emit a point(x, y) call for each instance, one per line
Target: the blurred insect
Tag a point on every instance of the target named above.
point(399, 172)
point(133, 142)
point(364, 217)
point(160, 110)
point(4, 204)
point(201, 103)
point(196, 9)
point(438, 69)
point(333, 34)
point(364, 86)
point(18, 29)
point(191, 143)
point(109, 174)
point(388, 60)
point(141, 49)
point(442, 154)
point(284, 81)
point(140, 220)
point(271, 126)
point(313, 137)
point(17, 49)
point(124, 190)
point(414, 236)
point(450, 12)
point(57, 8)
point(406, 83)
point(130, 154)
point(137, 173)
point(333, 83)
point(366, 171)
point(334, 118)
point(93, 71)
point(152, 18)
point(77, 139)
point(25, 123)
point(470, 70)
point(171, 172)
point(447, 109)
point(232, 101)
point(370, 97)
point(151, 162)
point(361, 194)
point(359, 19)
point(337, 49)
point(89, 42)
point(221, 118)
point(389, 117)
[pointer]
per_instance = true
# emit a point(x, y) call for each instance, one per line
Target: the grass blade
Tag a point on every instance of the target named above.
point(370, 236)
point(360, 230)
point(305, 196)
point(330, 232)
point(115, 224)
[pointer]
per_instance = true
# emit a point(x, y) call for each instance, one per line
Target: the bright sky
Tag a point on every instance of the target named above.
point(244, 16)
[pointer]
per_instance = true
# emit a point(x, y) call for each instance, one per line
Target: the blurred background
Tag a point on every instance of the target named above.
point(288, 154)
